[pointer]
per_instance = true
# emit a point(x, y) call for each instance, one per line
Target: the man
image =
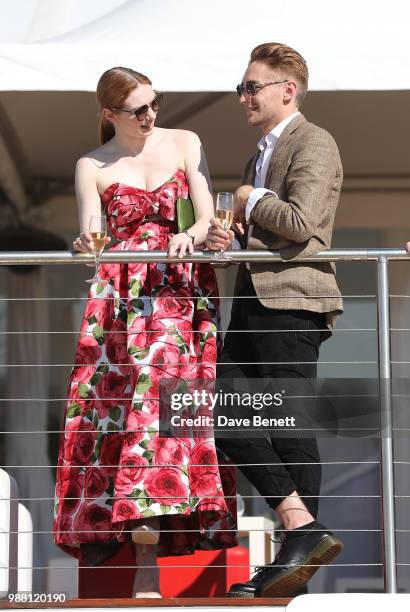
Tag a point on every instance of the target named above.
point(287, 202)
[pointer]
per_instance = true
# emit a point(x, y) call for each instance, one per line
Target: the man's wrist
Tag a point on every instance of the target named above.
point(235, 245)
point(254, 197)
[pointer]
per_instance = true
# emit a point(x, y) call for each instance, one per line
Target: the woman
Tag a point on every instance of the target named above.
point(117, 480)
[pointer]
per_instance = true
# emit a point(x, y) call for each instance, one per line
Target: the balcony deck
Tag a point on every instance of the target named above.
point(171, 602)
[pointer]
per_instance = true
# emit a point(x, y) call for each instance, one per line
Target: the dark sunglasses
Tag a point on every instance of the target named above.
point(141, 112)
point(252, 88)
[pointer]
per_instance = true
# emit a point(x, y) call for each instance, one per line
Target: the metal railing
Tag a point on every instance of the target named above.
point(16, 258)
point(381, 256)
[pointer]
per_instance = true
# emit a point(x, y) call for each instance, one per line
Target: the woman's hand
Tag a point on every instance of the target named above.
point(179, 245)
point(408, 247)
point(84, 243)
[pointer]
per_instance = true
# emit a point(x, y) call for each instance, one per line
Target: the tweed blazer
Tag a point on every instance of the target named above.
point(305, 172)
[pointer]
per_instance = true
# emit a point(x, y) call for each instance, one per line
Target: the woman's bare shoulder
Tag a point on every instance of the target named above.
point(179, 137)
point(187, 137)
point(95, 158)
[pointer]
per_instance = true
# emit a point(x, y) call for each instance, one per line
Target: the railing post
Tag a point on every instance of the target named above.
point(387, 468)
point(8, 534)
point(25, 550)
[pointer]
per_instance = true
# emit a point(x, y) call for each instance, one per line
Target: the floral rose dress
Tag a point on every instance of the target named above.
point(150, 322)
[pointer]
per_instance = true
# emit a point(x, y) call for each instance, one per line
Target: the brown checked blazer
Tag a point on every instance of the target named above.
point(306, 173)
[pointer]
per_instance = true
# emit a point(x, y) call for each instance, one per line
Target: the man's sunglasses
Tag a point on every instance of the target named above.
point(141, 112)
point(252, 88)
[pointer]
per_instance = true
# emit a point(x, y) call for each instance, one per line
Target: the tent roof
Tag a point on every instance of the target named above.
point(52, 52)
point(201, 46)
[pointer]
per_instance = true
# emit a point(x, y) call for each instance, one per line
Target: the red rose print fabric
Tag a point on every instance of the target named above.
point(149, 323)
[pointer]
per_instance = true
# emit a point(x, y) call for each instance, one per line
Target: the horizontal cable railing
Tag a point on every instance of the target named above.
point(380, 256)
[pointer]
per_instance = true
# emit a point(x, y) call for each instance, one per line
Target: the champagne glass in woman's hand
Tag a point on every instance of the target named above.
point(98, 231)
point(224, 212)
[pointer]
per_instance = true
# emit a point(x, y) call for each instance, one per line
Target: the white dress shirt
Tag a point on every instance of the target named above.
point(266, 146)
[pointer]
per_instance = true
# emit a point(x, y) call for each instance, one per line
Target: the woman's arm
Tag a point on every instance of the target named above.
point(89, 202)
point(196, 171)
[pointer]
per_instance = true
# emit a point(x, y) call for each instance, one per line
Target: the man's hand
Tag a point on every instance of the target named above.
point(217, 238)
point(240, 198)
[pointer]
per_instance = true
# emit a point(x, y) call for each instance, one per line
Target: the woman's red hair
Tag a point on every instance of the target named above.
point(113, 88)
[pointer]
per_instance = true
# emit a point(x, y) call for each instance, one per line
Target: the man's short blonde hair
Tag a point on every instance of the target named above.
point(281, 57)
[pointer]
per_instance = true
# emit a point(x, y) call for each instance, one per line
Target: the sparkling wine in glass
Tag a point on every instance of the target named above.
point(224, 212)
point(98, 231)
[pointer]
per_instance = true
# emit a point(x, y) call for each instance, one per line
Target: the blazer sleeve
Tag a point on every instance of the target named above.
point(314, 172)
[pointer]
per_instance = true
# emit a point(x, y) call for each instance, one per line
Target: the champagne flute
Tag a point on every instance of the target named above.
point(224, 212)
point(98, 231)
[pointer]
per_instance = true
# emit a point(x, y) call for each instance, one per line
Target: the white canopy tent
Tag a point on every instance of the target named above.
point(53, 51)
point(201, 46)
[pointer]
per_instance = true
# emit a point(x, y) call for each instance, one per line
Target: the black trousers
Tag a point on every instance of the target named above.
point(263, 341)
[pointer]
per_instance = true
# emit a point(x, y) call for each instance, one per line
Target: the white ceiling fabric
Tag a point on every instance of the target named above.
point(188, 45)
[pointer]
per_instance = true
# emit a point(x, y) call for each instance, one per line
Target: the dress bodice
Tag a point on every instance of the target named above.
point(127, 207)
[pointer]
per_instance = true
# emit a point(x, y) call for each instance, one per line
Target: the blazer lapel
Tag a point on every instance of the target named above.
point(250, 176)
point(282, 143)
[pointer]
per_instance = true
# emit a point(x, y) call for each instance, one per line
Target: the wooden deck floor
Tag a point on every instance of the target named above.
point(154, 603)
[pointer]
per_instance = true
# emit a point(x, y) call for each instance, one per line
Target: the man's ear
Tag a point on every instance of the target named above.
point(290, 91)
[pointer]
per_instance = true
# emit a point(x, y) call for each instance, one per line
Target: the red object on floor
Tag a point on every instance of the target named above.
point(208, 580)
point(185, 580)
